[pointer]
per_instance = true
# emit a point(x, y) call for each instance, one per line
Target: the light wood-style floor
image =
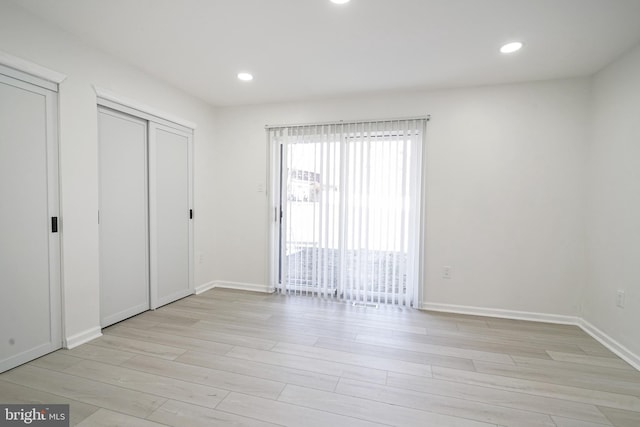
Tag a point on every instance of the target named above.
point(232, 358)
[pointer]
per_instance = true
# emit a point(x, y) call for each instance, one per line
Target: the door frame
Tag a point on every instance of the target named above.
point(157, 118)
point(275, 212)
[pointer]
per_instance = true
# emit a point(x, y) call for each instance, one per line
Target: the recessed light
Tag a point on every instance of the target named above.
point(245, 77)
point(511, 47)
point(340, 1)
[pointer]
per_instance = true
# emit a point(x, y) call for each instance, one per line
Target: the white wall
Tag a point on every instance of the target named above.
point(27, 37)
point(614, 202)
point(505, 198)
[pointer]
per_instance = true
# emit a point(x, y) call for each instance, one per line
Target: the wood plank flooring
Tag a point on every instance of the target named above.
point(232, 358)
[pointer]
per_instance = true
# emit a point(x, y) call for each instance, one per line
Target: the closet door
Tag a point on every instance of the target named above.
point(124, 262)
point(170, 206)
point(30, 319)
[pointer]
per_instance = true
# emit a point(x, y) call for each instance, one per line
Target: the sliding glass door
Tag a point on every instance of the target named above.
point(349, 200)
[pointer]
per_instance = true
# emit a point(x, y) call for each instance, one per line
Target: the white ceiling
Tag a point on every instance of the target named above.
point(302, 49)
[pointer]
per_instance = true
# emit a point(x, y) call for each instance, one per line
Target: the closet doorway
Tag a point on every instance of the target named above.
point(145, 212)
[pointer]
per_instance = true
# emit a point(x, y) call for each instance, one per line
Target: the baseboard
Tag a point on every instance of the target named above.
point(82, 338)
point(253, 287)
point(620, 350)
point(504, 314)
point(204, 287)
point(613, 345)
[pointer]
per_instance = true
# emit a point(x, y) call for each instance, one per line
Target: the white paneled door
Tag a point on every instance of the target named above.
point(124, 265)
point(170, 214)
point(30, 319)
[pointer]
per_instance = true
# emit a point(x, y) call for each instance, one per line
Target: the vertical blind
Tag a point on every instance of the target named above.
point(350, 203)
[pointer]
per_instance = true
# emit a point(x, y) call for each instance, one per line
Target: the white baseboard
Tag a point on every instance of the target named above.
point(253, 287)
point(82, 338)
point(604, 339)
point(204, 287)
point(505, 314)
point(613, 345)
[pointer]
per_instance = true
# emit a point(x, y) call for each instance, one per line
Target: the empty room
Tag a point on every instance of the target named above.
point(320, 213)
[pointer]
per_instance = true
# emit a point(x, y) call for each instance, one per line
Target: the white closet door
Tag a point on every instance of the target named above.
point(30, 319)
point(124, 264)
point(170, 224)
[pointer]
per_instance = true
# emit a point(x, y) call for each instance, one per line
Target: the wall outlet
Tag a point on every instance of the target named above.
point(200, 257)
point(620, 298)
point(446, 272)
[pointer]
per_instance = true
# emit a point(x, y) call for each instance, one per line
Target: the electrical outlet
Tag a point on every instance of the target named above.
point(620, 298)
point(200, 257)
point(446, 272)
